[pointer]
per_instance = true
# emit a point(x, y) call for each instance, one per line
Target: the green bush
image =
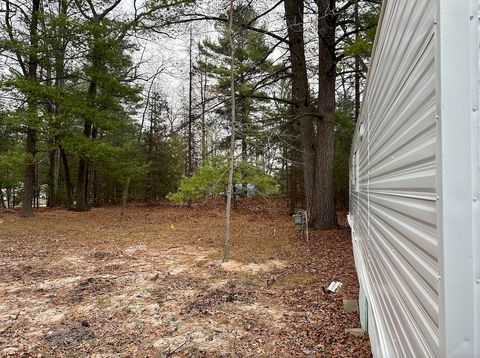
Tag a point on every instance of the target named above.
point(211, 179)
point(12, 164)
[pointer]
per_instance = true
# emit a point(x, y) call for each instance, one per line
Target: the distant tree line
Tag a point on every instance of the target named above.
point(82, 124)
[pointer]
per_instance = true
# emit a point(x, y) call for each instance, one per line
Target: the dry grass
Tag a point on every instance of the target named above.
point(151, 282)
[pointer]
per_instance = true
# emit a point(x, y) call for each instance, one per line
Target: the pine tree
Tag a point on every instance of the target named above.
point(251, 66)
point(24, 44)
point(317, 120)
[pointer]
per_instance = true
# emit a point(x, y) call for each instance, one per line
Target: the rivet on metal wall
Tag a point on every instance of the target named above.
point(478, 281)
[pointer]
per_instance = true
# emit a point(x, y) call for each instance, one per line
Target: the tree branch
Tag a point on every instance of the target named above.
point(12, 38)
point(200, 17)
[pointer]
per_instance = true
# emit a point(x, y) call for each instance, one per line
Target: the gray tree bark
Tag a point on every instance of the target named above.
point(2, 200)
point(228, 209)
point(316, 124)
point(29, 171)
point(68, 180)
point(59, 67)
point(324, 211)
point(304, 111)
point(81, 203)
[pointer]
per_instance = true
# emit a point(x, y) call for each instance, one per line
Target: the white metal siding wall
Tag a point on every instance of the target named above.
point(476, 188)
point(458, 174)
point(394, 210)
point(415, 214)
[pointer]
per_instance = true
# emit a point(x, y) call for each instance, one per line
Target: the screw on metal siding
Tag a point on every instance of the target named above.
point(478, 281)
point(475, 199)
point(475, 109)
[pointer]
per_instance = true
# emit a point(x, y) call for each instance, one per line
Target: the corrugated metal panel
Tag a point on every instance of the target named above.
point(457, 173)
point(394, 210)
point(415, 202)
point(476, 188)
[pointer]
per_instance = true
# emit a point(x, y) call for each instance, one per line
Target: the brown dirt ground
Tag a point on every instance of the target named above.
point(151, 283)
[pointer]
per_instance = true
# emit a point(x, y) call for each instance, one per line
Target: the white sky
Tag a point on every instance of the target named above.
point(172, 53)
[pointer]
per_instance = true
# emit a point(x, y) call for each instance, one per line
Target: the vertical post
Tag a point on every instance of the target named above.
point(226, 243)
point(457, 175)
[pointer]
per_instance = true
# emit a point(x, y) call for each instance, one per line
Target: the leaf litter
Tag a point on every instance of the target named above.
point(98, 283)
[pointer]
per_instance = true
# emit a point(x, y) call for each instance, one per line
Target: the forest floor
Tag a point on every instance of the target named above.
point(151, 282)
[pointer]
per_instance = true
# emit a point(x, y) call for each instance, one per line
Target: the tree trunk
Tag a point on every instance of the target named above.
point(37, 187)
point(82, 178)
point(53, 172)
point(95, 188)
point(323, 206)
point(125, 196)
point(304, 112)
point(244, 149)
point(29, 171)
point(190, 119)
point(2, 199)
point(294, 171)
point(59, 67)
point(9, 198)
point(68, 180)
point(29, 176)
point(81, 194)
point(285, 169)
point(323, 215)
point(316, 135)
point(357, 65)
point(228, 208)
point(203, 90)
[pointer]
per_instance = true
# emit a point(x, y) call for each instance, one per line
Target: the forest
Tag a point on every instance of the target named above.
point(105, 101)
point(121, 120)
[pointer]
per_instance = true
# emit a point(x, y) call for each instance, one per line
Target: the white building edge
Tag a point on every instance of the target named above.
point(415, 183)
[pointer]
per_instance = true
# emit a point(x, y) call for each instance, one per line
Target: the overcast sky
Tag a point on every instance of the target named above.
point(171, 53)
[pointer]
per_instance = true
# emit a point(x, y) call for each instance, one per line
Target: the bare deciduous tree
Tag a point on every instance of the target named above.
point(226, 244)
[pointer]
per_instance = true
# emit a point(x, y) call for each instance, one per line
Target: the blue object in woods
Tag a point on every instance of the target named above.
point(250, 190)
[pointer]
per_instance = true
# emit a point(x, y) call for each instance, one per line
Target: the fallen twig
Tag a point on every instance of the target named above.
point(11, 324)
point(169, 353)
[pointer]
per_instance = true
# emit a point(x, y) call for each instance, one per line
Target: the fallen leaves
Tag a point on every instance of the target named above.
point(89, 283)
